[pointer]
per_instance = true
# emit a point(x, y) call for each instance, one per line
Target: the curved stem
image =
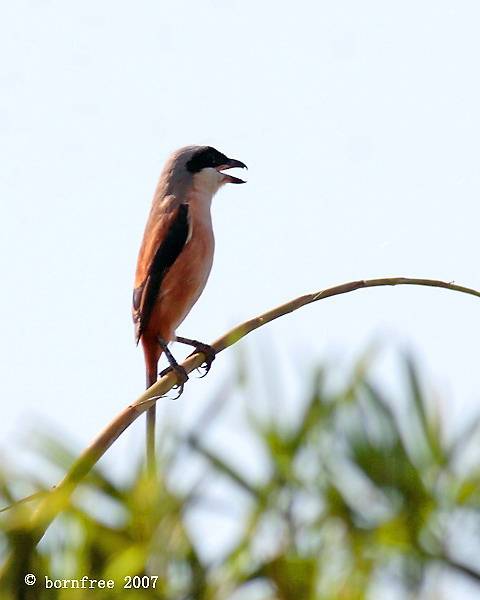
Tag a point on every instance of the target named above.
point(44, 513)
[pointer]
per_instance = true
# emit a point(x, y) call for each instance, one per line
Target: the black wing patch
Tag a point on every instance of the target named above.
point(145, 295)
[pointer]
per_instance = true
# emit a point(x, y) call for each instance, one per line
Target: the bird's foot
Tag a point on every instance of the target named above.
point(181, 374)
point(209, 352)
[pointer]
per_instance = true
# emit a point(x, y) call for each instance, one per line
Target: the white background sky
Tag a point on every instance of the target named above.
point(360, 124)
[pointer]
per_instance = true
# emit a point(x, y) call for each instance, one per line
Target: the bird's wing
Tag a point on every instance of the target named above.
point(165, 236)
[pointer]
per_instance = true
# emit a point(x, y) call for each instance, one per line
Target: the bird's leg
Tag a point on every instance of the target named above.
point(208, 351)
point(180, 372)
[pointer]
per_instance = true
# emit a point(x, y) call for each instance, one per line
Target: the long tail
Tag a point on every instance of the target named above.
point(151, 418)
point(151, 364)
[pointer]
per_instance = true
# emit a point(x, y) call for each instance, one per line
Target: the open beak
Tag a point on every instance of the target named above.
point(232, 164)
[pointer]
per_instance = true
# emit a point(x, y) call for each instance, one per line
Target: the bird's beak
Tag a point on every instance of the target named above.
point(232, 164)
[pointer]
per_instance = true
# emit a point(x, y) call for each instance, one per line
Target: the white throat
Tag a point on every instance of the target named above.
point(207, 181)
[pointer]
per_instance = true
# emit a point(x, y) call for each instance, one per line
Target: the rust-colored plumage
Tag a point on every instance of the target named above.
point(172, 271)
point(176, 253)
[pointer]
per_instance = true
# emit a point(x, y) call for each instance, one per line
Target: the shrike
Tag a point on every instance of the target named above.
point(175, 258)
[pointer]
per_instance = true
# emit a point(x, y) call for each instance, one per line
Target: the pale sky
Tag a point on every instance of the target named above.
point(360, 124)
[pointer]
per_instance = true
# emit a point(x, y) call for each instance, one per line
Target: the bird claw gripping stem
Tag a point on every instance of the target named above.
point(209, 353)
point(182, 377)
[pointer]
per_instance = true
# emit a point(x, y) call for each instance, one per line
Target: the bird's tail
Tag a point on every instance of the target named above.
point(151, 367)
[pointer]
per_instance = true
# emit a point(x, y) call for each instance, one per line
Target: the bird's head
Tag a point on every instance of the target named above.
point(210, 163)
point(203, 167)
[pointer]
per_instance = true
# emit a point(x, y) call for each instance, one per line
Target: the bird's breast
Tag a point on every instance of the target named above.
point(186, 279)
point(200, 245)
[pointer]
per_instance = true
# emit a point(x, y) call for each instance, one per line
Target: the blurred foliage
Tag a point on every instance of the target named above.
point(358, 500)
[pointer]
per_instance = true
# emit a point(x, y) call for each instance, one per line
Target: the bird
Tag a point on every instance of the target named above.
point(175, 260)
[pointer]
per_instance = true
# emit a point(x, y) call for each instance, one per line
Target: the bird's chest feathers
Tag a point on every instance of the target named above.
point(199, 248)
point(199, 216)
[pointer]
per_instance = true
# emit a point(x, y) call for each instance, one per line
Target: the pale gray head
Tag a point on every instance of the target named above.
point(200, 167)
